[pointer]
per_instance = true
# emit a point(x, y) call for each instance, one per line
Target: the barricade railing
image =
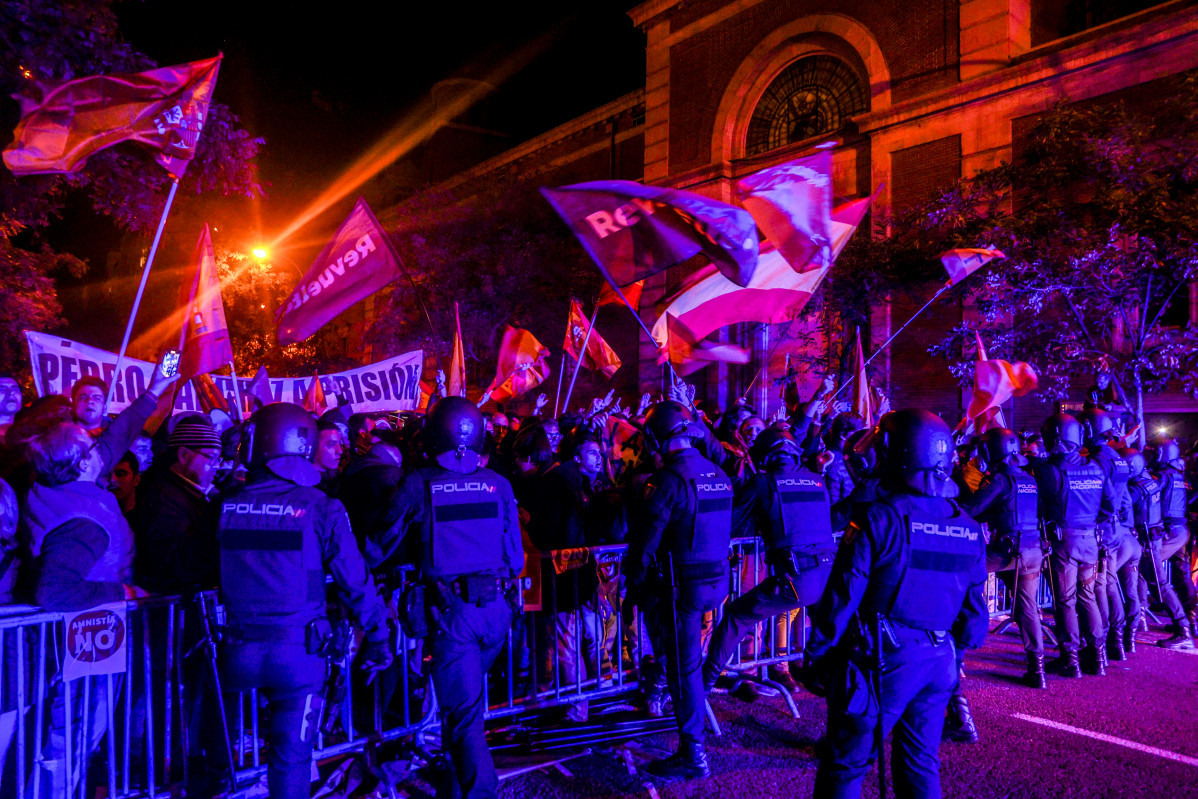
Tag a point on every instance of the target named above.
point(155, 727)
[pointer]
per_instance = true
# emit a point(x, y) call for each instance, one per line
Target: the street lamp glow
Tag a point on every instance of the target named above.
point(260, 252)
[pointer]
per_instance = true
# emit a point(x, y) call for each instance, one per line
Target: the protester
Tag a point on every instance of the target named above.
point(123, 482)
point(10, 401)
point(89, 402)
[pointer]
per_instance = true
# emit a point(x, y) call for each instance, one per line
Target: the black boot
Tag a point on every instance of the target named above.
point(1180, 639)
point(1129, 635)
point(688, 763)
point(1071, 667)
point(1114, 646)
point(1035, 677)
point(1092, 658)
point(959, 726)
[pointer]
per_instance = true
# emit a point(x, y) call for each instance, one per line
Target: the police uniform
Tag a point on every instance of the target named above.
point(678, 554)
point(1117, 588)
point(919, 562)
point(1145, 493)
point(1006, 500)
point(277, 540)
point(1071, 492)
point(791, 510)
point(466, 529)
point(1174, 503)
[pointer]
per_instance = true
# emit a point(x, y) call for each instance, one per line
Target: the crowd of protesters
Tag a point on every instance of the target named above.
point(93, 509)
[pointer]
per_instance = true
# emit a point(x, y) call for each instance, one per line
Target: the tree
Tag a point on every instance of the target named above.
point(1097, 214)
point(50, 40)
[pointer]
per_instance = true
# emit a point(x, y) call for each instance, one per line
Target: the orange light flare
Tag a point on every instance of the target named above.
point(415, 129)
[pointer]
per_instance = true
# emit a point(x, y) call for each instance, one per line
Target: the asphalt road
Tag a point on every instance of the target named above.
point(1131, 734)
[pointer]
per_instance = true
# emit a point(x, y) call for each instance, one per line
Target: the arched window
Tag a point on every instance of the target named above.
point(812, 96)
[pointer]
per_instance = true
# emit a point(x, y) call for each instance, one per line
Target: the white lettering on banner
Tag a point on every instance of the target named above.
point(948, 530)
point(350, 258)
point(473, 485)
point(390, 385)
point(799, 482)
point(265, 509)
point(1089, 484)
point(605, 223)
point(95, 641)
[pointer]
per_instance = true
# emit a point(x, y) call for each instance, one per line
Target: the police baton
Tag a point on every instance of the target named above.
point(1154, 559)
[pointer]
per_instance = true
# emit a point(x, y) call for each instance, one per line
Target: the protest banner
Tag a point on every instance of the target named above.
point(390, 385)
point(95, 641)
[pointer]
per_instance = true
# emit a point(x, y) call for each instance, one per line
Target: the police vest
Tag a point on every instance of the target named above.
point(1076, 507)
point(803, 515)
point(1146, 500)
point(711, 493)
point(943, 553)
point(466, 526)
point(271, 559)
point(1017, 516)
point(1173, 497)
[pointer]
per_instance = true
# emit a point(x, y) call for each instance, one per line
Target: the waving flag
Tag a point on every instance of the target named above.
point(688, 353)
point(994, 382)
point(314, 398)
point(64, 123)
point(633, 231)
point(632, 293)
point(358, 261)
point(209, 396)
point(863, 395)
point(259, 387)
point(523, 365)
point(708, 301)
point(792, 204)
point(962, 263)
point(456, 379)
point(598, 357)
point(204, 340)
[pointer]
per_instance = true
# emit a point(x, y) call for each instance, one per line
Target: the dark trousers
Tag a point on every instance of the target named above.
point(1028, 564)
point(917, 681)
point(677, 627)
point(1118, 586)
point(1152, 564)
point(1075, 570)
point(776, 596)
point(467, 640)
point(1174, 550)
point(293, 683)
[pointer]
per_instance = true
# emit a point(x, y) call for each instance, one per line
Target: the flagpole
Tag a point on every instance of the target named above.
point(582, 353)
point(879, 350)
point(558, 395)
point(141, 288)
point(641, 322)
point(237, 394)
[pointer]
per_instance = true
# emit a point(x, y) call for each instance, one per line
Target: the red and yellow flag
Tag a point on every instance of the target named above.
point(204, 339)
point(598, 356)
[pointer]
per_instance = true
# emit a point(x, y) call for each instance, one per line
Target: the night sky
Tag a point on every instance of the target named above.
point(321, 84)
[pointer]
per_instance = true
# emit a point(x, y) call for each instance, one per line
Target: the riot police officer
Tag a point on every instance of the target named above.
point(1119, 551)
point(465, 531)
point(790, 507)
point(1170, 469)
point(677, 560)
point(1071, 493)
point(1006, 501)
point(1145, 492)
point(907, 588)
point(278, 537)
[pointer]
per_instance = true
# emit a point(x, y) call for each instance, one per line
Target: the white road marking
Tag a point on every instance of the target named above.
point(1111, 739)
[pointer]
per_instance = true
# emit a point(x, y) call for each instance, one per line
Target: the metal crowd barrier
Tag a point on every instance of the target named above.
point(156, 729)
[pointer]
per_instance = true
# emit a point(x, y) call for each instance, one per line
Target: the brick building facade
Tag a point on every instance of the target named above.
point(916, 94)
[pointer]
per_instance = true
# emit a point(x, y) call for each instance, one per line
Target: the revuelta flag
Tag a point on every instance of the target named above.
point(523, 365)
point(63, 123)
point(358, 261)
point(599, 356)
point(205, 335)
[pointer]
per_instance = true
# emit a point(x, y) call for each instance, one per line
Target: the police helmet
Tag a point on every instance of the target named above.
point(454, 424)
point(666, 421)
point(1001, 445)
point(1097, 425)
point(916, 451)
point(282, 437)
point(1062, 433)
point(774, 446)
point(1135, 460)
point(1167, 451)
